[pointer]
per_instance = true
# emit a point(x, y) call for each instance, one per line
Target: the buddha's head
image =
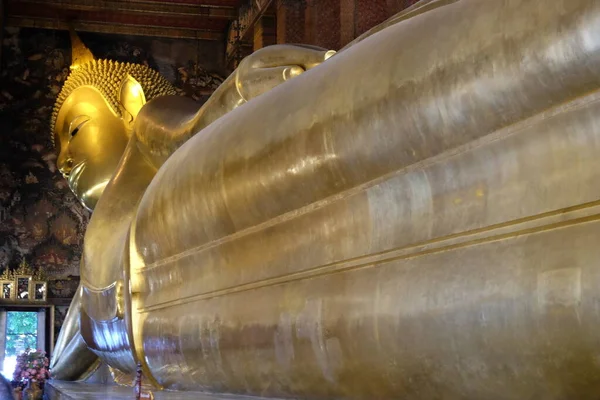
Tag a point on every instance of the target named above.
point(93, 115)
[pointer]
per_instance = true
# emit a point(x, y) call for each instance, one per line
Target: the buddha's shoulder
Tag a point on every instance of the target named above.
point(163, 124)
point(168, 112)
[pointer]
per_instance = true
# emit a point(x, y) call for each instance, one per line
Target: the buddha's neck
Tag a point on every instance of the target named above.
point(105, 237)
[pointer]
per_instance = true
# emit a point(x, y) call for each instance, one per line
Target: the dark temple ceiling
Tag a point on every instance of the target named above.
point(198, 19)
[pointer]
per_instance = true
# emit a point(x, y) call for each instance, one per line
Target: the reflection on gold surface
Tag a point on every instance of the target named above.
point(373, 225)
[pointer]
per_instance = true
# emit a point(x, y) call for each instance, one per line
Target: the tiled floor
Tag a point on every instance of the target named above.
point(87, 391)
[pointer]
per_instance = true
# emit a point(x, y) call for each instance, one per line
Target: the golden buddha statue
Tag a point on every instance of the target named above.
point(414, 218)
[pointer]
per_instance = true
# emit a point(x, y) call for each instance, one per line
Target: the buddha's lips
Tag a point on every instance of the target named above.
point(74, 176)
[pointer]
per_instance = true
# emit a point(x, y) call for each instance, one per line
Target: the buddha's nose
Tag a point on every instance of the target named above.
point(65, 164)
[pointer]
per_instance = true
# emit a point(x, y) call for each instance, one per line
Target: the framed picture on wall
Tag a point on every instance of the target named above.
point(39, 290)
point(23, 287)
point(7, 289)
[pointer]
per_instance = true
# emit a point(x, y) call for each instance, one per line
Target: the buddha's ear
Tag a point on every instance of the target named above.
point(131, 99)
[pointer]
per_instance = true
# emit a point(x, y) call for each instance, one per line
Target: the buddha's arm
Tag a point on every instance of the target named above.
point(164, 124)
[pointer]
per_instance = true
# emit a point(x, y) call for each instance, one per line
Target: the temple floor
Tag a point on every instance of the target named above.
point(57, 390)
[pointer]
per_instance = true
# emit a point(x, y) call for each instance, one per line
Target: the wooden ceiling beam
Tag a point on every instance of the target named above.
point(120, 29)
point(210, 3)
point(26, 9)
point(136, 7)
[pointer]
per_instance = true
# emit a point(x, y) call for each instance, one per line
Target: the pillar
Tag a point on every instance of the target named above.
point(265, 32)
point(326, 23)
point(347, 21)
point(395, 6)
point(291, 21)
point(369, 13)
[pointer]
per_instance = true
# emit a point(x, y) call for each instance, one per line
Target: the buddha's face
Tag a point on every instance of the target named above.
point(91, 138)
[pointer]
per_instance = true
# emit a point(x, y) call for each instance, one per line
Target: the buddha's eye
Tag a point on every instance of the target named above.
point(77, 124)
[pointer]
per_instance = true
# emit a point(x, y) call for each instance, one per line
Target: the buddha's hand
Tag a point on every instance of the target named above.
point(270, 66)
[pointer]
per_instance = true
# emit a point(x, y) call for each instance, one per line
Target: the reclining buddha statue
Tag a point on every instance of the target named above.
point(414, 217)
